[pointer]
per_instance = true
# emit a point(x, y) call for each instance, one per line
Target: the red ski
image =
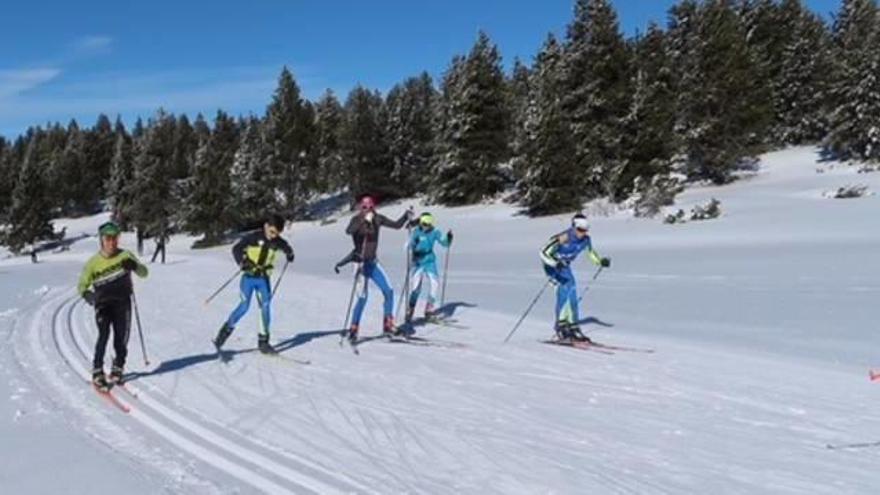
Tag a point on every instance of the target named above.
point(112, 399)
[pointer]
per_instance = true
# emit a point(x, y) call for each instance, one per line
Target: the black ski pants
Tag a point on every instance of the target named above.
point(116, 314)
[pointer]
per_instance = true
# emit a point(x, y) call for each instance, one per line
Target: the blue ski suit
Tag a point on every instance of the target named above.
point(421, 245)
point(557, 257)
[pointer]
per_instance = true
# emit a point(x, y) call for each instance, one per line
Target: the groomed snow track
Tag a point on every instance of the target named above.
point(55, 343)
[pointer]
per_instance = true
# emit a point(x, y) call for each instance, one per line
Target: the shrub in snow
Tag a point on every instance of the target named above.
point(677, 217)
point(866, 169)
point(654, 195)
point(711, 210)
point(847, 192)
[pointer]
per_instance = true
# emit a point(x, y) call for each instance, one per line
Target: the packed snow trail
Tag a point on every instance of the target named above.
point(760, 322)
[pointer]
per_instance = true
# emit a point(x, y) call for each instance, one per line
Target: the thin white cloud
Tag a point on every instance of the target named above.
point(17, 81)
point(237, 90)
point(93, 43)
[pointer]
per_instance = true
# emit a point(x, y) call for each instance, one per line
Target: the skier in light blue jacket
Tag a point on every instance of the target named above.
point(421, 245)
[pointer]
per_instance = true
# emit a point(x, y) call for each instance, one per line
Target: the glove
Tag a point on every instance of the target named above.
point(560, 264)
point(129, 265)
point(605, 262)
point(410, 213)
point(89, 297)
point(247, 265)
point(449, 237)
point(290, 257)
point(369, 217)
point(336, 268)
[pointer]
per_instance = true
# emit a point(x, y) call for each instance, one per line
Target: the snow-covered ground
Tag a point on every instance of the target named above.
point(763, 324)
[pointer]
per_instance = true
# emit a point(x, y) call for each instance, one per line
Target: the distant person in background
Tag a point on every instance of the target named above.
point(557, 256)
point(33, 254)
point(105, 283)
point(140, 241)
point(161, 240)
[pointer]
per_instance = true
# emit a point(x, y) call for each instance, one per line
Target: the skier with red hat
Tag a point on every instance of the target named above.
point(364, 230)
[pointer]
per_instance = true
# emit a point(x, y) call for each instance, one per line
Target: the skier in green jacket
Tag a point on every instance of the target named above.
point(105, 283)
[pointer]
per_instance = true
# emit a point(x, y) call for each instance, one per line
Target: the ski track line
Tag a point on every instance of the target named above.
point(353, 486)
point(106, 433)
point(301, 481)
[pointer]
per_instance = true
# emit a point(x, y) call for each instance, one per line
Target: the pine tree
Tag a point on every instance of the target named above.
point(152, 188)
point(519, 87)
point(329, 117)
point(649, 138)
point(855, 91)
point(118, 185)
point(209, 202)
point(253, 186)
point(411, 133)
point(31, 209)
point(548, 185)
point(597, 77)
point(186, 143)
point(767, 31)
point(8, 170)
point(802, 92)
point(365, 145)
point(474, 128)
point(290, 133)
point(717, 114)
point(77, 187)
point(100, 143)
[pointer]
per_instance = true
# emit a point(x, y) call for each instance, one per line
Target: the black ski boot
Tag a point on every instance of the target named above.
point(353, 334)
point(575, 334)
point(115, 375)
point(99, 381)
point(562, 334)
point(222, 335)
point(264, 345)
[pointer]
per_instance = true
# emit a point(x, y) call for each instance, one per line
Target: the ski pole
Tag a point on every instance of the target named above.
point(137, 318)
point(218, 291)
point(404, 293)
point(445, 275)
point(529, 310)
point(584, 292)
point(278, 282)
point(357, 274)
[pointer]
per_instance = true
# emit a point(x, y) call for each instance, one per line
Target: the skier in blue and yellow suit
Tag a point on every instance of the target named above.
point(557, 256)
point(255, 254)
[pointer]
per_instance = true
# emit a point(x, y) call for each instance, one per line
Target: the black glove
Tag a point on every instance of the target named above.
point(247, 265)
point(129, 265)
point(449, 237)
point(560, 264)
point(290, 257)
point(89, 297)
point(605, 262)
point(336, 268)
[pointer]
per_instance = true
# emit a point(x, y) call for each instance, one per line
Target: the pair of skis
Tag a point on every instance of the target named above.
point(596, 346)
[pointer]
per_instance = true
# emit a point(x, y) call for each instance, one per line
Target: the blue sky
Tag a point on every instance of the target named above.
point(62, 59)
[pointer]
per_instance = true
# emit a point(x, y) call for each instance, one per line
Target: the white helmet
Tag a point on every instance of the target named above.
point(580, 222)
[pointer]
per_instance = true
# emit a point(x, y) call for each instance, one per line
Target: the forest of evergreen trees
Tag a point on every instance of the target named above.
point(594, 115)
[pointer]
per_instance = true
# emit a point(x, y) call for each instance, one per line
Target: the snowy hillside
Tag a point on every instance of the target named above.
point(762, 325)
